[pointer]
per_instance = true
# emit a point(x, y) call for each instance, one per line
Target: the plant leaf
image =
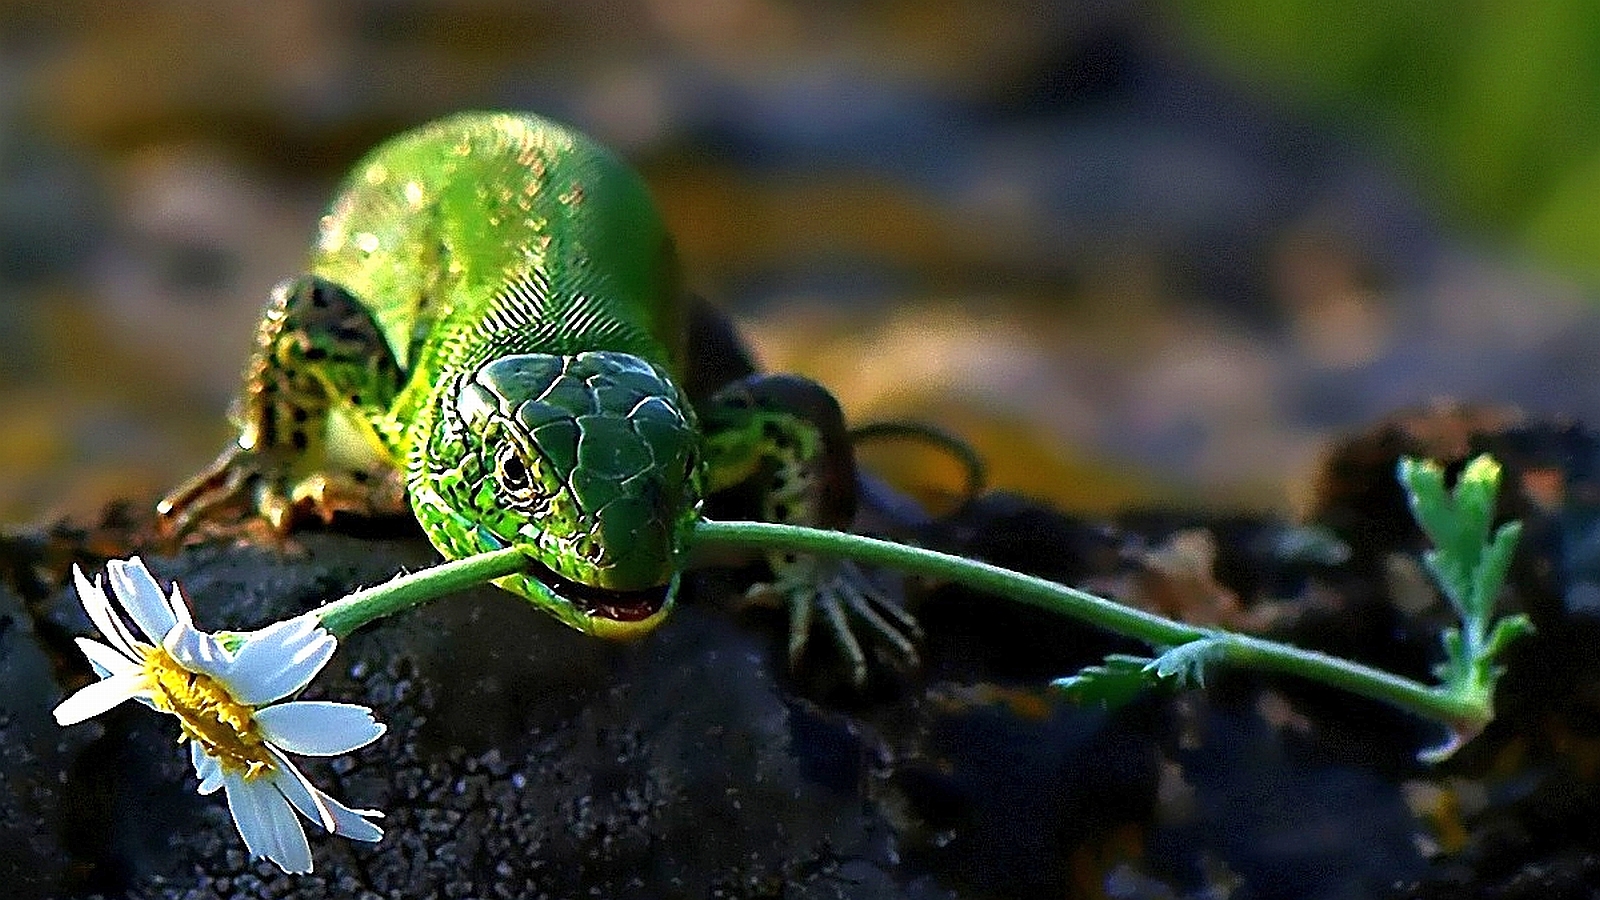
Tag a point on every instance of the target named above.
point(1475, 503)
point(1455, 666)
point(1113, 683)
point(1185, 664)
point(1506, 630)
point(1490, 575)
point(1430, 505)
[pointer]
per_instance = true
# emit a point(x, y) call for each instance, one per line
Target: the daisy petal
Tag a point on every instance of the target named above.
point(281, 638)
point(137, 591)
point(96, 698)
point(268, 824)
point(352, 823)
point(205, 769)
point(106, 661)
point(180, 606)
point(346, 822)
point(294, 853)
point(245, 808)
point(198, 651)
point(300, 792)
point(279, 660)
point(318, 727)
point(210, 783)
point(98, 606)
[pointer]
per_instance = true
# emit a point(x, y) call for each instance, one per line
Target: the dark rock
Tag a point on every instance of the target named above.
point(523, 759)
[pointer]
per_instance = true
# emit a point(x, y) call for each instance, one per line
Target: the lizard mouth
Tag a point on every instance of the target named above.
point(601, 603)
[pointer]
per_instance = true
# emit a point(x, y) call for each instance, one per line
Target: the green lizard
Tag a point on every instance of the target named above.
point(492, 333)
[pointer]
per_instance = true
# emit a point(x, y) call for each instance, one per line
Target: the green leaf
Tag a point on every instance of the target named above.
point(1456, 667)
point(1430, 506)
point(1469, 567)
point(1121, 677)
point(1490, 575)
point(1453, 578)
point(1185, 664)
point(1111, 684)
point(1506, 630)
point(1475, 504)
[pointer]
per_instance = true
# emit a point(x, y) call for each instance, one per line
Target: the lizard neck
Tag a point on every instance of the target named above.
point(526, 315)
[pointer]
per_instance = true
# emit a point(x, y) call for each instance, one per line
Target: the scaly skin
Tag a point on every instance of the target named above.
point(492, 310)
point(491, 333)
point(540, 334)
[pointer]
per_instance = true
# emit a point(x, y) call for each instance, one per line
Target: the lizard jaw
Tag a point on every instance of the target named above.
point(602, 612)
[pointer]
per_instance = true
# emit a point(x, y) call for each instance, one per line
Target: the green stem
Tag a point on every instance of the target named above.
point(1035, 591)
point(1240, 650)
point(405, 591)
point(1460, 711)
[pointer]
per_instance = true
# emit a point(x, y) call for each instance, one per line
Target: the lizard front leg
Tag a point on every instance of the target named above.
point(779, 444)
point(319, 379)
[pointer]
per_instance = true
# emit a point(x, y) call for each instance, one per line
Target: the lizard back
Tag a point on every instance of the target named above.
point(488, 234)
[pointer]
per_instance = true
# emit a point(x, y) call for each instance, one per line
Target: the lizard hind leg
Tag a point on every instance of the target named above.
point(319, 378)
point(780, 443)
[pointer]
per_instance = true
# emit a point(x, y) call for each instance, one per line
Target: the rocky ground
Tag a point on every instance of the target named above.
point(525, 760)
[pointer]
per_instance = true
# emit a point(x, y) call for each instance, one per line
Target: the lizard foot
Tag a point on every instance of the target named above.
point(847, 599)
point(246, 494)
point(224, 498)
point(327, 494)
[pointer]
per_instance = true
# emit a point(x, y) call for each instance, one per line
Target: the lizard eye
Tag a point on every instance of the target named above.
point(514, 476)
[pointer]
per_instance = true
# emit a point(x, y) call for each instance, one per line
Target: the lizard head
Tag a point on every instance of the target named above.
point(590, 462)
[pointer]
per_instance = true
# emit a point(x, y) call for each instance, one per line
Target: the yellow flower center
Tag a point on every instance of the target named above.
point(225, 728)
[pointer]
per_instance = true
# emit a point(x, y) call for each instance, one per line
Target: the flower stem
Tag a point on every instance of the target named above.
point(402, 592)
point(1463, 711)
point(1236, 649)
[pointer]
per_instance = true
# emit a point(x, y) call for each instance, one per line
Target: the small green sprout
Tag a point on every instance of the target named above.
point(1468, 560)
point(1122, 677)
point(1470, 563)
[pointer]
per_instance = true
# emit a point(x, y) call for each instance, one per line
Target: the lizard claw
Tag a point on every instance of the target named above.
point(326, 495)
point(234, 488)
point(243, 492)
point(850, 601)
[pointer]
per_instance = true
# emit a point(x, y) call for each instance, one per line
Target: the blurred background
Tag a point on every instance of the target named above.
point(1138, 252)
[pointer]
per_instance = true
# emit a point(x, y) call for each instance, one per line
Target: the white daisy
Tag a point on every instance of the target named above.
point(223, 690)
